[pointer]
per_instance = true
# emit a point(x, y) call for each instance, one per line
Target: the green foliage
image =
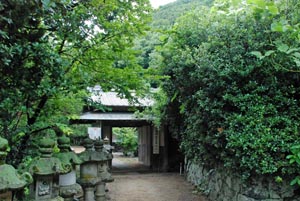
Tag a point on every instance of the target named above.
point(127, 139)
point(156, 111)
point(295, 159)
point(231, 85)
point(79, 130)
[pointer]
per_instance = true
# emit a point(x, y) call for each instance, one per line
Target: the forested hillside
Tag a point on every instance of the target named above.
point(165, 16)
point(163, 19)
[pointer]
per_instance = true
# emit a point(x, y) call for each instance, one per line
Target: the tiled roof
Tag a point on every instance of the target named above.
point(112, 99)
point(110, 116)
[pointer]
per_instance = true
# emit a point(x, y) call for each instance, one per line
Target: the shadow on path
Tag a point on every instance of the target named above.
point(124, 164)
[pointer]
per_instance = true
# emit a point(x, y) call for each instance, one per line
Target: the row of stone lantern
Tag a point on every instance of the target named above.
point(54, 175)
point(94, 170)
point(67, 182)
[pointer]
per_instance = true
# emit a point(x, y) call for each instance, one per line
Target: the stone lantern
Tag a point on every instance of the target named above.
point(109, 149)
point(103, 171)
point(67, 181)
point(89, 170)
point(45, 170)
point(107, 146)
point(10, 180)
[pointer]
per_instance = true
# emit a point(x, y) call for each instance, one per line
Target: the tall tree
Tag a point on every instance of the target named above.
point(52, 49)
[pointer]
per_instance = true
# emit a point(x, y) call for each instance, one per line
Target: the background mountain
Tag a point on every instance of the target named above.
point(163, 20)
point(165, 16)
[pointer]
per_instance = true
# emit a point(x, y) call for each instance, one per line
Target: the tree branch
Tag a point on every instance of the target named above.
point(38, 109)
point(42, 129)
point(60, 50)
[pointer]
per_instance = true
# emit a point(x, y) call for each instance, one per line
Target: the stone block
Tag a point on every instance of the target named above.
point(257, 192)
point(222, 185)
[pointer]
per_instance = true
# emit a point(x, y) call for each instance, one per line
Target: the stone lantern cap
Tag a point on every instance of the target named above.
point(46, 164)
point(107, 146)
point(90, 155)
point(67, 157)
point(99, 147)
point(10, 179)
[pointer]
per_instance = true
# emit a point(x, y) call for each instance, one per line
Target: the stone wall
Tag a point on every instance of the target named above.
point(221, 185)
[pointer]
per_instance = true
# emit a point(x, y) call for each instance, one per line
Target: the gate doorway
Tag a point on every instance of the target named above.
point(153, 143)
point(129, 152)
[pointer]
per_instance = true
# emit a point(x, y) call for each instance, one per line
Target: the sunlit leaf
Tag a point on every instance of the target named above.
point(258, 3)
point(296, 54)
point(277, 27)
point(268, 53)
point(273, 9)
point(294, 181)
point(297, 61)
point(283, 47)
point(257, 54)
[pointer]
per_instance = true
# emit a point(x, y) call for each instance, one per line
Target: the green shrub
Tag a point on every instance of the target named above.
point(231, 76)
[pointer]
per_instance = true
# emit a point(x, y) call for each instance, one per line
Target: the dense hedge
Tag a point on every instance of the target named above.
point(230, 75)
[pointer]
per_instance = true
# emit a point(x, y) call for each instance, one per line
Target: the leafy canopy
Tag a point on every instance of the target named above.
point(50, 51)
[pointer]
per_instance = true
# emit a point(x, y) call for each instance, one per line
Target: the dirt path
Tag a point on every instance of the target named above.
point(151, 187)
point(134, 182)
